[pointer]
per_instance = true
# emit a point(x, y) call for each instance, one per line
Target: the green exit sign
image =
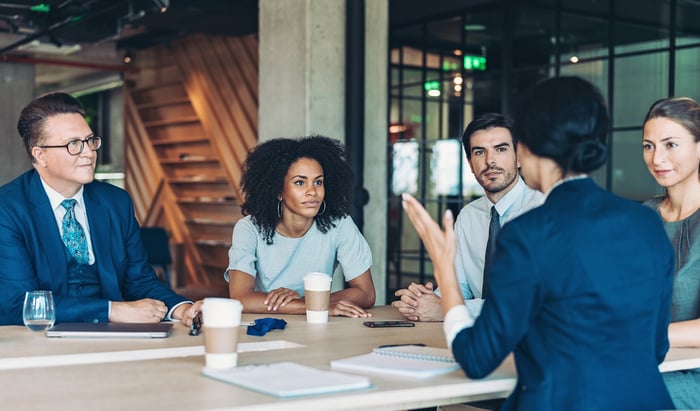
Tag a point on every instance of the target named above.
point(474, 63)
point(431, 85)
point(41, 8)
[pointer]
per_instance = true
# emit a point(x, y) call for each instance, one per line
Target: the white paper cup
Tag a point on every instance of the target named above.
point(221, 318)
point(317, 293)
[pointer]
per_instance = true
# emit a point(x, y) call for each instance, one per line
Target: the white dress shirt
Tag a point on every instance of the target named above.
point(472, 231)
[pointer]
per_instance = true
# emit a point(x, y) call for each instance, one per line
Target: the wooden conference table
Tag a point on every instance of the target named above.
point(40, 373)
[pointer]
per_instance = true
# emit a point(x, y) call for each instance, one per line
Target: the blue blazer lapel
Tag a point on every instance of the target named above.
point(49, 237)
point(100, 227)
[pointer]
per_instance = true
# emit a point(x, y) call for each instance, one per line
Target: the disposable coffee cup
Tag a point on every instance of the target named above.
point(317, 294)
point(221, 318)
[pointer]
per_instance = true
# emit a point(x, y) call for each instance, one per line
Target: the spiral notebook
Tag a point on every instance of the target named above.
point(418, 352)
point(401, 361)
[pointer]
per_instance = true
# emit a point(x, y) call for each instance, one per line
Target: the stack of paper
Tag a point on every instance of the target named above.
point(288, 379)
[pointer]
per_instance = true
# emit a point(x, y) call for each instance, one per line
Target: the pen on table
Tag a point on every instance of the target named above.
point(401, 345)
point(196, 326)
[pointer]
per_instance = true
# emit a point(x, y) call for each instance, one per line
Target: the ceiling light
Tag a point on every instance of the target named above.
point(434, 93)
point(162, 5)
point(36, 46)
point(573, 59)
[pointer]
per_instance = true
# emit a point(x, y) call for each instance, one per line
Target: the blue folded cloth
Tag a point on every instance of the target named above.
point(263, 325)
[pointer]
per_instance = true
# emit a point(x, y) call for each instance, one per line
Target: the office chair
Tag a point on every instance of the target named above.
point(155, 241)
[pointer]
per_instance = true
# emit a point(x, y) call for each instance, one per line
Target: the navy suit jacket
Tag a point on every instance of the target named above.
point(33, 257)
point(580, 290)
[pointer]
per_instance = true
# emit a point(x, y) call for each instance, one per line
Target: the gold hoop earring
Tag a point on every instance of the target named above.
point(279, 209)
point(324, 208)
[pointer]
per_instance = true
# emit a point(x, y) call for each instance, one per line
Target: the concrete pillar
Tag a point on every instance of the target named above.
point(376, 131)
point(302, 92)
point(302, 63)
point(17, 84)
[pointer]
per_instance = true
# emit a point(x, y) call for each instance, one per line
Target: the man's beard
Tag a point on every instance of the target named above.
point(500, 187)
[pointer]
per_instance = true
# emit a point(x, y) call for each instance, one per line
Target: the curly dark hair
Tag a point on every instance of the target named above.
point(267, 165)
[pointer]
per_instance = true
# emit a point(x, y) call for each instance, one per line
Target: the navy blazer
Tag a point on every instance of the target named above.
point(33, 257)
point(580, 290)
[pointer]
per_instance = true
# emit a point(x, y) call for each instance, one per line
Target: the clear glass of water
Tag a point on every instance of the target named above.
point(39, 312)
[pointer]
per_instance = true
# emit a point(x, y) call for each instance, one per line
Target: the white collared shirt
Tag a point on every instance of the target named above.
point(472, 229)
point(55, 198)
point(472, 235)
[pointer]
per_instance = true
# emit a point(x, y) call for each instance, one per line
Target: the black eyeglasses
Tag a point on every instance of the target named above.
point(76, 147)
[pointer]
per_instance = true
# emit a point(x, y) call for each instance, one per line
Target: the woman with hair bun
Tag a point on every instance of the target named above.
point(580, 287)
point(297, 196)
point(671, 145)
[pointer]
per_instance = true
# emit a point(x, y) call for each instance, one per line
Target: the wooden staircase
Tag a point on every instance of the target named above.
point(175, 166)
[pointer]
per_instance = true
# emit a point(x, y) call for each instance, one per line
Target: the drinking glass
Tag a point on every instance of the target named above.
point(38, 313)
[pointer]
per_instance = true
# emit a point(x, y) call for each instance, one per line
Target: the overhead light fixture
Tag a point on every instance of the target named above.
point(573, 59)
point(36, 46)
point(162, 5)
point(128, 58)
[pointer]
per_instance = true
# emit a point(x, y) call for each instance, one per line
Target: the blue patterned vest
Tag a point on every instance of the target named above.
point(83, 279)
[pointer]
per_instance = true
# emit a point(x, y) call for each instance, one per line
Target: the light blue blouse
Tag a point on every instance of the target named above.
point(285, 262)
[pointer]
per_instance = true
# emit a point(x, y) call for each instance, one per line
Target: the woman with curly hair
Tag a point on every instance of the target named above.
point(297, 196)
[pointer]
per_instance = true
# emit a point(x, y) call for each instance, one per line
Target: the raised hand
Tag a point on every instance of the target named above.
point(441, 246)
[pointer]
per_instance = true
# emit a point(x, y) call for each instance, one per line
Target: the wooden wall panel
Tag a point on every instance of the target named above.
point(191, 117)
point(217, 82)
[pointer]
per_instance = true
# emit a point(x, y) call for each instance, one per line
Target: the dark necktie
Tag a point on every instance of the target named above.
point(73, 234)
point(494, 227)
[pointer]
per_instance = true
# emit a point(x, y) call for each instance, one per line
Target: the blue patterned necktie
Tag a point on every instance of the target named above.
point(73, 234)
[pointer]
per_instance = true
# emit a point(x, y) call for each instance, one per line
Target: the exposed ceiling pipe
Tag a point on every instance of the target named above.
point(34, 36)
point(104, 7)
point(38, 34)
point(69, 63)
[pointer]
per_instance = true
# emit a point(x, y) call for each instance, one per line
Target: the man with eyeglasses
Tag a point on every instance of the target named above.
point(62, 231)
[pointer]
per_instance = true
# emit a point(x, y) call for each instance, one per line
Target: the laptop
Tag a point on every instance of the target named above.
point(110, 330)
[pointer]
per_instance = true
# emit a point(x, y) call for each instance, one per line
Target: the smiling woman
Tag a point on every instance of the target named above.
point(671, 144)
point(297, 199)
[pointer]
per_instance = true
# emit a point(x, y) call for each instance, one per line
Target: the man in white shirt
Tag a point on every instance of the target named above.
point(490, 148)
